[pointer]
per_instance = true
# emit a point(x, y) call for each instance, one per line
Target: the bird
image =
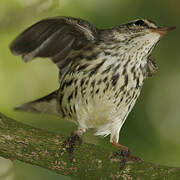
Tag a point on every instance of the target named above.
point(101, 71)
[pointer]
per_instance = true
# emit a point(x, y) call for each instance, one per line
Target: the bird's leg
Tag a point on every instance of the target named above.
point(123, 149)
point(70, 142)
point(125, 153)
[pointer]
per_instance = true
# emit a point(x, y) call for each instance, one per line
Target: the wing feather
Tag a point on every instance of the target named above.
point(54, 38)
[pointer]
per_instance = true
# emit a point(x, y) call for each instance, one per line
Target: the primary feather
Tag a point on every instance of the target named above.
point(55, 38)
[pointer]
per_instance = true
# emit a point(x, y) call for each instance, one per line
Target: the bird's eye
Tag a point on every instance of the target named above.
point(140, 23)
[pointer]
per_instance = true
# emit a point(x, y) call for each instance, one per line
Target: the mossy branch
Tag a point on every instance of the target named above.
point(42, 148)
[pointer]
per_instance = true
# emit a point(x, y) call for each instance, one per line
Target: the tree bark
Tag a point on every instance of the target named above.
point(42, 148)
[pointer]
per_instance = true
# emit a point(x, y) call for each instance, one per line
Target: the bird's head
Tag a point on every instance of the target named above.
point(141, 34)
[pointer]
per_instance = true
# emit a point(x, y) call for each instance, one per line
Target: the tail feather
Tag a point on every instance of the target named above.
point(46, 104)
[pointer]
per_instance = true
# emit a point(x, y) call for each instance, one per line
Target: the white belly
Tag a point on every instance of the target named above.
point(102, 114)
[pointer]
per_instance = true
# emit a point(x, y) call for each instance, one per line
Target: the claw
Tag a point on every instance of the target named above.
point(124, 152)
point(70, 142)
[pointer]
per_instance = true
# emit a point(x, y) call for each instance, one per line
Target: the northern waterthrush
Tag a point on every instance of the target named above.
point(101, 71)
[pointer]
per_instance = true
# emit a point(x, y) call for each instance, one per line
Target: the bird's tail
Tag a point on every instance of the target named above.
point(46, 104)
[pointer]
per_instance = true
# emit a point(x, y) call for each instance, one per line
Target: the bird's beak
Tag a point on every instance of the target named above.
point(162, 31)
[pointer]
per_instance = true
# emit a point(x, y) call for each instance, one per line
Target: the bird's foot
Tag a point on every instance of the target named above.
point(70, 143)
point(124, 152)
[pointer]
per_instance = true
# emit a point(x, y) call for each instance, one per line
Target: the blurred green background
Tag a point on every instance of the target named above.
point(152, 128)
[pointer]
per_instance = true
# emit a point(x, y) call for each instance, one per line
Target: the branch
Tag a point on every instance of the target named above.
point(42, 148)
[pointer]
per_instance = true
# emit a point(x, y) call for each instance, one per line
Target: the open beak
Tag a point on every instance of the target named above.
point(163, 31)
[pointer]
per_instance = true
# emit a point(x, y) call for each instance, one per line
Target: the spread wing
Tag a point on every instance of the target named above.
point(54, 38)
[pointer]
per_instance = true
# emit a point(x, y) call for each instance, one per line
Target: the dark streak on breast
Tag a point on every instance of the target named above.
point(94, 70)
point(115, 78)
